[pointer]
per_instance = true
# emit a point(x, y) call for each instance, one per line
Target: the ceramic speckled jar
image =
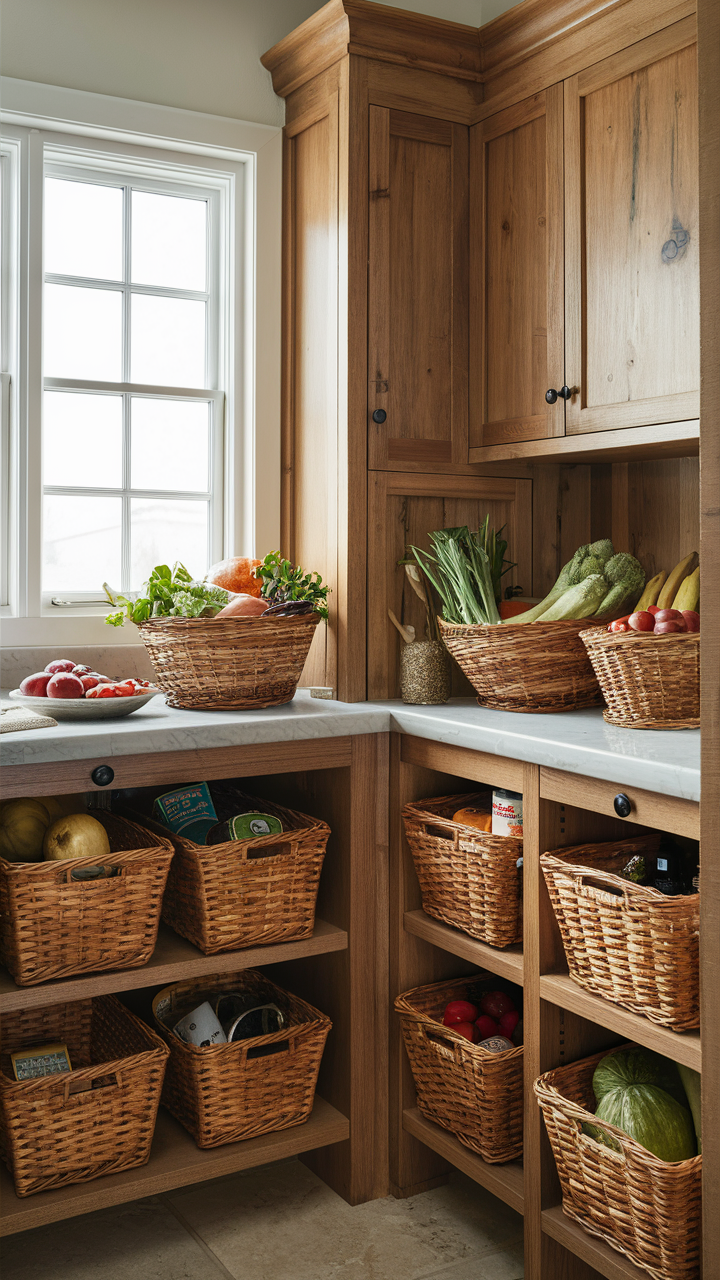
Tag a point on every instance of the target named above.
point(425, 673)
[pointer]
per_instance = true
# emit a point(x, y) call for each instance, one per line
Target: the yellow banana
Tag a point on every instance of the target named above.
point(652, 591)
point(678, 575)
point(688, 597)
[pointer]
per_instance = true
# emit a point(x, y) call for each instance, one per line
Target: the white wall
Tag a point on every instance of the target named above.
point(199, 54)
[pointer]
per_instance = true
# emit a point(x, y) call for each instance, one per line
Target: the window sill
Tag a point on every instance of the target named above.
point(61, 628)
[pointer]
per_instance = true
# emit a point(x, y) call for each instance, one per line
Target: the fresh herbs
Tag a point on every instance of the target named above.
point(168, 593)
point(460, 570)
point(283, 582)
point(495, 547)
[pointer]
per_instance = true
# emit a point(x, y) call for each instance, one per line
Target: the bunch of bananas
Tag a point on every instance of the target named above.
point(678, 590)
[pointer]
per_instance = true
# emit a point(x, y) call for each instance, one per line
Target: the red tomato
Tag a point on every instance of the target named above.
point(459, 1011)
point(487, 1026)
point(618, 626)
point(642, 621)
point(508, 1023)
point(496, 1003)
point(468, 1030)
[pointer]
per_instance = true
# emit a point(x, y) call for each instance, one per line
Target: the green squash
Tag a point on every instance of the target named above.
point(638, 1066)
point(654, 1119)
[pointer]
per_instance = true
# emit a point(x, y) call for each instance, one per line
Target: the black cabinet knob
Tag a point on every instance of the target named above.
point(551, 394)
point(379, 415)
point(622, 805)
point(103, 775)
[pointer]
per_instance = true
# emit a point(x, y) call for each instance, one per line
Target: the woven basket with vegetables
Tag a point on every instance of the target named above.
point(516, 666)
point(215, 649)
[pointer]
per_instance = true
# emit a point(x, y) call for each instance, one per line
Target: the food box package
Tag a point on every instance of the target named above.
point(188, 811)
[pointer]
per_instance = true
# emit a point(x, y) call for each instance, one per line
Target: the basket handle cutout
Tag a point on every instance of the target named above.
point(66, 877)
point(266, 1050)
point(84, 1089)
point(449, 1050)
point(285, 848)
point(611, 1147)
point(445, 833)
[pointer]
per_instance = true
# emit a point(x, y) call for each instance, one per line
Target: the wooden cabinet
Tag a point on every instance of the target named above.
point(417, 289)
point(592, 183)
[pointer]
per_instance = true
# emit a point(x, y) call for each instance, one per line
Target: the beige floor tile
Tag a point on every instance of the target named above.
point(506, 1264)
point(283, 1223)
point(139, 1241)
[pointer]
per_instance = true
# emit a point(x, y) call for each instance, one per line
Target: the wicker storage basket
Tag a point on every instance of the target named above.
point(211, 664)
point(226, 896)
point(630, 944)
point(647, 681)
point(98, 1118)
point(641, 1206)
point(535, 666)
point(468, 878)
point(226, 1092)
point(52, 926)
point(475, 1094)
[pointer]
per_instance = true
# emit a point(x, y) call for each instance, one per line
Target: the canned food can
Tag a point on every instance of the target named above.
point(507, 813)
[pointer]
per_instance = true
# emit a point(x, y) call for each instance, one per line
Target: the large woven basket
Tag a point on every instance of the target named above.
point(467, 878)
point(535, 666)
point(247, 892)
point(226, 1092)
point(98, 1118)
point(52, 926)
point(647, 681)
point(475, 1094)
point(630, 944)
point(226, 664)
point(641, 1206)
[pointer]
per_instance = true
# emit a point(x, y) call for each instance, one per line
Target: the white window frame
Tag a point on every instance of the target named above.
point(247, 159)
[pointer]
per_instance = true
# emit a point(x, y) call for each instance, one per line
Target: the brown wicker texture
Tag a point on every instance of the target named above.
point(641, 1206)
point(52, 926)
point(648, 681)
point(244, 892)
point(627, 943)
point(226, 1092)
point(98, 1118)
point(475, 1094)
point(225, 664)
point(535, 666)
point(467, 878)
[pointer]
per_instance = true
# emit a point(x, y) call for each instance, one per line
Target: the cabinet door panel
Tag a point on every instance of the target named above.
point(516, 312)
point(632, 297)
point(417, 317)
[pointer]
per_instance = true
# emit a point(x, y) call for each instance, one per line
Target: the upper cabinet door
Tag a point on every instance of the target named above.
point(516, 248)
point(631, 236)
point(417, 291)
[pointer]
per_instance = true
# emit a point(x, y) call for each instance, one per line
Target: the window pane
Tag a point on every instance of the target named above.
point(83, 333)
point(164, 530)
point(170, 444)
point(168, 341)
point(169, 241)
point(81, 543)
point(83, 229)
point(82, 440)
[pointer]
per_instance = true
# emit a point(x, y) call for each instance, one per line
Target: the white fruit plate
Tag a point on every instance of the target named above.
point(83, 708)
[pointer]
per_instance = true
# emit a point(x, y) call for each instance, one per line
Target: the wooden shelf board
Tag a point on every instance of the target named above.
point(504, 1180)
point(560, 989)
point(174, 958)
point(598, 1254)
point(506, 964)
point(175, 1161)
point(667, 440)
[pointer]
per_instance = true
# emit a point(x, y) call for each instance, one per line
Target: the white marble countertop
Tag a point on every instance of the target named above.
point(576, 742)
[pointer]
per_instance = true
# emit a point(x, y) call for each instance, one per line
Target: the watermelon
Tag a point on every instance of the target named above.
point(639, 1092)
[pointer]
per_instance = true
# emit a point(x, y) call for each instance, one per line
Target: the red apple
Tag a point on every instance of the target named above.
point(486, 1026)
point(669, 628)
point(692, 619)
point(668, 615)
point(508, 1023)
point(642, 621)
point(88, 681)
point(36, 686)
point(80, 670)
point(65, 685)
point(459, 1011)
point(60, 664)
point(496, 1003)
point(468, 1030)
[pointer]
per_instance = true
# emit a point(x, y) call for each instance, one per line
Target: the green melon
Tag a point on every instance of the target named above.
point(653, 1118)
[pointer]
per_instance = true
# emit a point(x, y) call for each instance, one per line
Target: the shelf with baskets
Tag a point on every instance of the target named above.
point(606, 1261)
point(504, 1180)
point(507, 963)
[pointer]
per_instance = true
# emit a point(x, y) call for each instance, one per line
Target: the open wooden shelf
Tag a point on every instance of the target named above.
point(612, 1265)
point(175, 1161)
point(504, 1180)
point(628, 444)
point(174, 958)
point(560, 989)
point(506, 964)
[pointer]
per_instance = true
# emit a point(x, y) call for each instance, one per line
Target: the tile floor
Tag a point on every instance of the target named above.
point(279, 1223)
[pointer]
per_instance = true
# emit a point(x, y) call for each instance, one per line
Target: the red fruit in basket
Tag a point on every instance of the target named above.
point(459, 1011)
point(669, 628)
point(65, 685)
point(486, 1026)
point(468, 1030)
point(496, 1003)
point(619, 625)
point(35, 686)
point(60, 664)
point(668, 615)
point(508, 1022)
point(642, 621)
point(692, 619)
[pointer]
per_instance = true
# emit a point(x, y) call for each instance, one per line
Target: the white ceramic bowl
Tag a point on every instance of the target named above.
point(83, 708)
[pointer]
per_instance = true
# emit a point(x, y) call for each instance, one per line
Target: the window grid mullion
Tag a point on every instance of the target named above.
point(125, 535)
